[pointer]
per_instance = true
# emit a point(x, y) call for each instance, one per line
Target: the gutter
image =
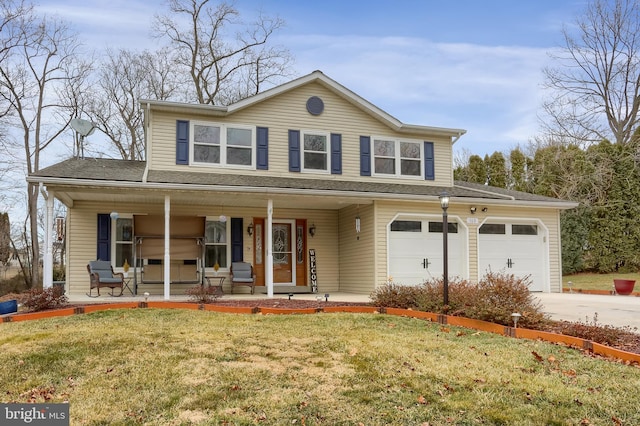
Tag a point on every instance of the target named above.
point(164, 187)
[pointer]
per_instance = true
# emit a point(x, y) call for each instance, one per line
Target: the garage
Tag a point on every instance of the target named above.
point(517, 248)
point(416, 250)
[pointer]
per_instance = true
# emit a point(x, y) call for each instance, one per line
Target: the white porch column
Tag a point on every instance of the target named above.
point(47, 262)
point(167, 245)
point(269, 246)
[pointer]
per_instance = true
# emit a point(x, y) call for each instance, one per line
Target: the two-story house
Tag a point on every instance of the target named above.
point(314, 186)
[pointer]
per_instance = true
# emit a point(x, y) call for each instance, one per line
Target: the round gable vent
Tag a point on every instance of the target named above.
point(315, 106)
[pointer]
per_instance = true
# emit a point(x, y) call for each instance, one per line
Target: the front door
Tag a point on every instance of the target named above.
point(284, 266)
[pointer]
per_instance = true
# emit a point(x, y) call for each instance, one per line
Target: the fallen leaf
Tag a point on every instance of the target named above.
point(585, 422)
point(460, 333)
point(551, 358)
point(569, 373)
point(422, 400)
point(445, 329)
point(616, 420)
point(578, 402)
point(353, 352)
point(537, 356)
point(480, 380)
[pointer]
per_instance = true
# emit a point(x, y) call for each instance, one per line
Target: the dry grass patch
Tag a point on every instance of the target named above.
point(175, 367)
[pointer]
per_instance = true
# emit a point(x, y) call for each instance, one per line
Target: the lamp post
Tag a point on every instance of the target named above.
point(444, 203)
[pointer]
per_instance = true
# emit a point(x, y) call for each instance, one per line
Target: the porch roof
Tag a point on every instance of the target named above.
point(92, 172)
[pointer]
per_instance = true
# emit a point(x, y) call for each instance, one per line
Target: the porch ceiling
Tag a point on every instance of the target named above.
point(202, 198)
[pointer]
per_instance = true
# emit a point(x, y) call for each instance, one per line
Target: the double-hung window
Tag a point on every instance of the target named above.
point(216, 244)
point(315, 151)
point(223, 144)
point(397, 157)
point(122, 238)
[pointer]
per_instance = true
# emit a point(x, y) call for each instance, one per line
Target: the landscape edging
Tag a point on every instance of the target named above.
point(524, 333)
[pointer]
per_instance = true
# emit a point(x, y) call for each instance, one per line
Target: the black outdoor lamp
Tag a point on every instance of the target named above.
point(444, 203)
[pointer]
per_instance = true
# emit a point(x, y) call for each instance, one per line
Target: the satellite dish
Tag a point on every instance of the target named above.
point(83, 127)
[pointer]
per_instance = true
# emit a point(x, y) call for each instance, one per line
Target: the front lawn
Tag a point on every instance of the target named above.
point(155, 366)
point(592, 281)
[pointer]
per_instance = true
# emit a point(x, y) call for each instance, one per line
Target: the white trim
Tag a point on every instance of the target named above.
point(327, 151)
point(223, 145)
point(397, 158)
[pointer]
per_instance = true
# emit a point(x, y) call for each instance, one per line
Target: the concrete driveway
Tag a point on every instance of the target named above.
point(618, 311)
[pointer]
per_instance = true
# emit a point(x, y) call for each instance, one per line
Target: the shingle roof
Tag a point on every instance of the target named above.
point(74, 171)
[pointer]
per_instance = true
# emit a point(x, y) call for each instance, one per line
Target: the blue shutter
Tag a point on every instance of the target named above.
point(365, 156)
point(429, 161)
point(262, 148)
point(294, 150)
point(336, 154)
point(236, 240)
point(103, 250)
point(182, 142)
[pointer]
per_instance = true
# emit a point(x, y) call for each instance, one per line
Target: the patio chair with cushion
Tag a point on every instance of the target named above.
point(242, 274)
point(101, 275)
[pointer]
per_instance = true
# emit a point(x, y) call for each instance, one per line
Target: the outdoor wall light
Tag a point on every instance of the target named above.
point(484, 209)
point(515, 317)
point(146, 296)
point(326, 297)
point(250, 229)
point(312, 229)
point(473, 209)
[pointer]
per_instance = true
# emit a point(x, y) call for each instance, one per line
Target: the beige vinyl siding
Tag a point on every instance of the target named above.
point(357, 253)
point(81, 240)
point(288, 112)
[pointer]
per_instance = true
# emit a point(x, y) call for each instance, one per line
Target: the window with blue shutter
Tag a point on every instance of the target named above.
point(336, 154)
point(182, 142)
point(429, 161)
point(103, 237)
point(365, 156)
point(262, 149)
point(294, 150)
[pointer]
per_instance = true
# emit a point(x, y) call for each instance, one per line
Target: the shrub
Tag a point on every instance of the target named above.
point(500, 295)
point(203, 294)
point(494, 299)
point(592, 330)
point(49, 298)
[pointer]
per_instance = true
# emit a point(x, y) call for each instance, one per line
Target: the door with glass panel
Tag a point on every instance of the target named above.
point(284, 266)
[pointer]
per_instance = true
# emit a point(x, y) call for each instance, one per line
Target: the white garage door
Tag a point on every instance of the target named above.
point(416, 251)
point(513, 248)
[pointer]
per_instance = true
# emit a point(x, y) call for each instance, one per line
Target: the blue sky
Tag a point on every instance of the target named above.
point(468, 64)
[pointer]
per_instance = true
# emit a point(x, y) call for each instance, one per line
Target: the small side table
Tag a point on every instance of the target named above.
point(217, 286)
point(125, 286)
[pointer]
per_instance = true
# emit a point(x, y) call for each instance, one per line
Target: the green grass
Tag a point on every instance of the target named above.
point(591, 281)
point(179, 367)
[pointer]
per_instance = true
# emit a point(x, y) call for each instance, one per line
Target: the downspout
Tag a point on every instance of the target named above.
point(47, 262)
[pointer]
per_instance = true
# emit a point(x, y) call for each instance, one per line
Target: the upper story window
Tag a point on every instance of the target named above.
point(315, 151)
point(397, 157)
point(223, 144)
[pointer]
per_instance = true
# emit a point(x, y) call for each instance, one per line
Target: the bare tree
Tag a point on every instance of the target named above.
point(596, 82)
point(225, 59)
point(40, 57)
point(126, 77)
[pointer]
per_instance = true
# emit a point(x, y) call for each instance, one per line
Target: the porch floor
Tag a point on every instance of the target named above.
point(105, 298)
